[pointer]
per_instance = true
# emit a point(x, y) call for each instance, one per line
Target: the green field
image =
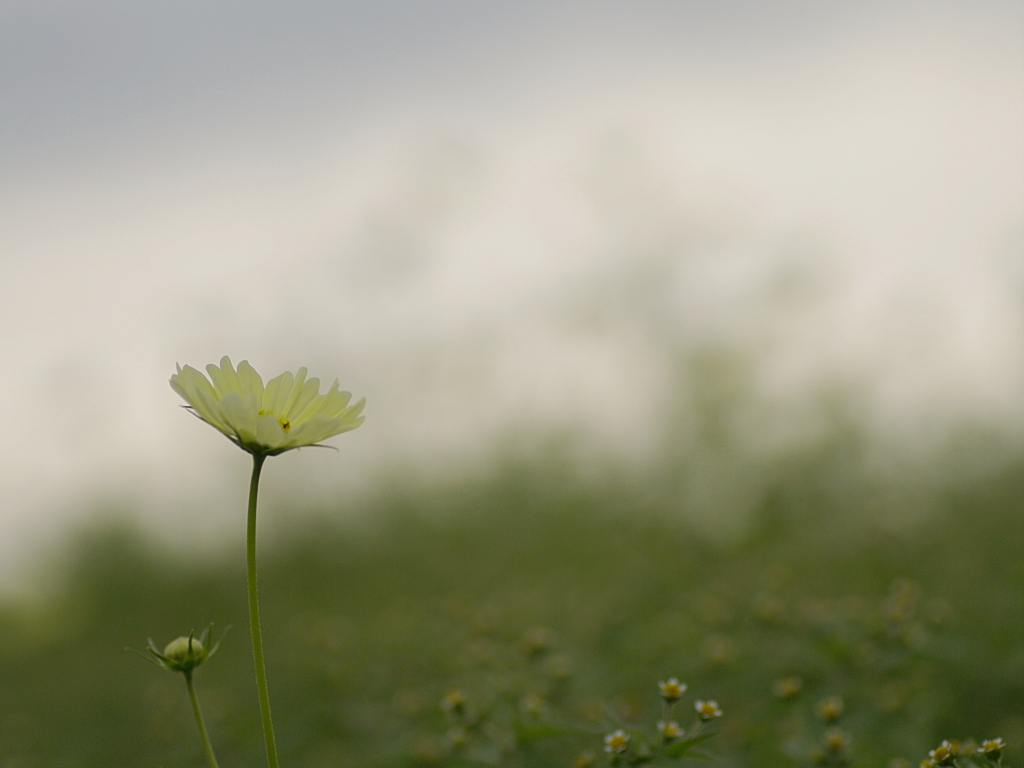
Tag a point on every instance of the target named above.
point(555, 605)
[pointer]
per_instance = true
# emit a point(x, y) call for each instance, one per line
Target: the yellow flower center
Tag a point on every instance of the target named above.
point(672, 689)
point(671, 730)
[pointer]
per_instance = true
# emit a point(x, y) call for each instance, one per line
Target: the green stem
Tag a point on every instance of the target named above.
point(254, 614)
point(207, 748)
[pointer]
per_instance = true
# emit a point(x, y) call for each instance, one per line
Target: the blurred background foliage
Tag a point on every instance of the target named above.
point(548, 599)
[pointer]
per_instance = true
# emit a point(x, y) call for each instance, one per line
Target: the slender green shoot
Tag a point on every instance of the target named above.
point(254, 615)
point(207, 747)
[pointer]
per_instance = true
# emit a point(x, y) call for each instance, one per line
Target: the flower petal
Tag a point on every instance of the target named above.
point(307, 397)
point(249, 382)
point(268, 432)
point(278, 390)
point(297, 387)
point(240, 414)
point(224, 378)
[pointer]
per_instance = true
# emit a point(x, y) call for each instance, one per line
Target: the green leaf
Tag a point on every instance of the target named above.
point(683, 747)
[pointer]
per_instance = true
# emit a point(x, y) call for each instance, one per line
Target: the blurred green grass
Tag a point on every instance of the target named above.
point(918, 626)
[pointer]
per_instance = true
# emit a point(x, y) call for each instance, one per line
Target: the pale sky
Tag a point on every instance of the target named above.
point(491, 219)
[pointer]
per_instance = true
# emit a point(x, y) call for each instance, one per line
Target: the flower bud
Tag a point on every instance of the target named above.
point(184, 653)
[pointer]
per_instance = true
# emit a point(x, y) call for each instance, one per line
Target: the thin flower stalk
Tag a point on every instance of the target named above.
point(203, 736)
point(254, 615)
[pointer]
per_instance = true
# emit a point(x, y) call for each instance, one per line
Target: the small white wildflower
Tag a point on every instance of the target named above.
point(616, 742)
point(707, 710)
